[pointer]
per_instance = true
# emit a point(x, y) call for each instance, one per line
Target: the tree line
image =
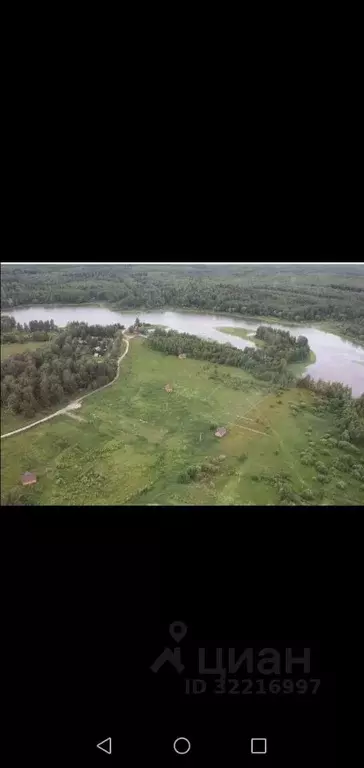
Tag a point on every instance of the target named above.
point(269, 363)
point(8, 323)
point(37, 330)
point(34, 381)
point(348, 411)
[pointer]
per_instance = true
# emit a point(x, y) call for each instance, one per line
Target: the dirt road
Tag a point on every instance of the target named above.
point(71, 406)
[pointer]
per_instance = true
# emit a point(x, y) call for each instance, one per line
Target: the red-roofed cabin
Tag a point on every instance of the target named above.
point(28, 478)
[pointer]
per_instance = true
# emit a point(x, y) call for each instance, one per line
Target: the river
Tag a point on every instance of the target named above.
point(336, 358)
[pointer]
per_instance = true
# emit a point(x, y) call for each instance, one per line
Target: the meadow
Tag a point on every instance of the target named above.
point(8, 350)
point(243, 333)
point(134, 443)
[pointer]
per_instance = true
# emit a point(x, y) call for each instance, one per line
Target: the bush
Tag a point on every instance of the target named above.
point(321, 468)
point(323, 478)
point(286, 494)
point(209, 468)
point(307, 494)
point(341, 484)
point(346, 461)
point(307, 458)
point(343, 444)
point(243, 457)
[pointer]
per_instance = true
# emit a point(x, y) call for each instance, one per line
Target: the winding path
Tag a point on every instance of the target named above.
point(71, 406)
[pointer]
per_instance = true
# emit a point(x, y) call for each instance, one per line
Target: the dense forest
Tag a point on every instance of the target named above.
point(299, 293)
point(280, 344)
point(269, 363)
point(79, 358)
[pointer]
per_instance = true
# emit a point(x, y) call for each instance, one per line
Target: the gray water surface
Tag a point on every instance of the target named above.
point(336, 358)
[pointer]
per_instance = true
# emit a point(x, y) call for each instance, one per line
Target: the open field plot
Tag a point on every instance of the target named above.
point(8, 350)
point(11, 421)
point(142, 445)
point(243, 333)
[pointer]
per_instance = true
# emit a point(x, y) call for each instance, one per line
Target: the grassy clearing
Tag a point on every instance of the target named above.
point(8, 350)
point(243, 333)
point(11, 421)
point(140, 445)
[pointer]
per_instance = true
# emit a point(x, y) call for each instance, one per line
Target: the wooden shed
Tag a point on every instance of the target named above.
point(28, 478)
point(221, 432)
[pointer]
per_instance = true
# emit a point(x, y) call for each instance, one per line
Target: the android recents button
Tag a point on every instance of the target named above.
point(258, 746)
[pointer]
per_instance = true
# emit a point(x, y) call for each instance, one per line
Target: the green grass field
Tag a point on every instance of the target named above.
point(136, 443)
point(7, 350)
point(244, 333)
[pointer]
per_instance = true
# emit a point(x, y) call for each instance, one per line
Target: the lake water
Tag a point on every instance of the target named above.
point(336, 359)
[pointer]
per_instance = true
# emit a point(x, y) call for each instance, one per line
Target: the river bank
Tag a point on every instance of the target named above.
point(337, 359)
point(325, 325)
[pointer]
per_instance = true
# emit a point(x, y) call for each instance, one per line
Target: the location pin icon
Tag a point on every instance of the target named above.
point(177, 630)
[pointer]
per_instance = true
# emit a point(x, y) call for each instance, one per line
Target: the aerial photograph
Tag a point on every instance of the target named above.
point(182, 384)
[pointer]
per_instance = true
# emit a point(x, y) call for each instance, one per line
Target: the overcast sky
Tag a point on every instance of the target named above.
point(203, 263)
